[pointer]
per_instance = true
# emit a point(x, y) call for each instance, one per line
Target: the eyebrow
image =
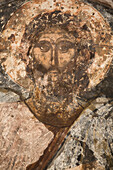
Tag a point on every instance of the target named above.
point(63, 37)
point(51, 40)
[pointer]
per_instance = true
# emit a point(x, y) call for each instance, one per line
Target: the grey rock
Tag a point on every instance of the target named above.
point(89, 139)
point(7, 96)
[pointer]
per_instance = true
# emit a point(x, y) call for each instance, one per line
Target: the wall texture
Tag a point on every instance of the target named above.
point(88, 142)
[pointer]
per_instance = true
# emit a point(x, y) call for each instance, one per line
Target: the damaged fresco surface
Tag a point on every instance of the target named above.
point(56, 85)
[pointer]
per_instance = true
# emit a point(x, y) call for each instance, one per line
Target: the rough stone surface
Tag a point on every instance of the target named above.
point(22, 137)
point(89, 143)
point(90, 139)
point(57, 77)
point(7, 96)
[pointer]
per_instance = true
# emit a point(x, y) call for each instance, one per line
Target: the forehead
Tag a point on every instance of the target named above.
point(56, 34)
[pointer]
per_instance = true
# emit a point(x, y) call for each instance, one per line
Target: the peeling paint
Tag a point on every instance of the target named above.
point(59, 51)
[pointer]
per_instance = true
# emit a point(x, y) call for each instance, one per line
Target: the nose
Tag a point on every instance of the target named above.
point(54, 56)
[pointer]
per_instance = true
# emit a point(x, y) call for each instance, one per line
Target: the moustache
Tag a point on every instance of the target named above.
point(44, 70)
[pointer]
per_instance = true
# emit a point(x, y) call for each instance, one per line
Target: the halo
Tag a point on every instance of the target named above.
point(88, 17)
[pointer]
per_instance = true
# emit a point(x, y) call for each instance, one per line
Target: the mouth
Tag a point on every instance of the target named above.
point(44, 70)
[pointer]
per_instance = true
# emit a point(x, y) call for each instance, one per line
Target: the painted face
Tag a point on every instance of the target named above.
point(54, 49)
point(57, 71)
point(54, 54)
point(55, 67)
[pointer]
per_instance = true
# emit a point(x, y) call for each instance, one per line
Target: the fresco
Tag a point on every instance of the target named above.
point(57, 52)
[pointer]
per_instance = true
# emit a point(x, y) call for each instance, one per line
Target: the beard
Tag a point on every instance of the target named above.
point(56, 86)
point(54, 98)
point(59, 85)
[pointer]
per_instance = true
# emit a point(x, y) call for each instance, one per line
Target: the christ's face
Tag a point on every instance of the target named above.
point(54, 49)
point(56, 74)
point(55, 65)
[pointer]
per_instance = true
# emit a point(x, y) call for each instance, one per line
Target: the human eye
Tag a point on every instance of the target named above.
point(64, 46)
point(44, 46)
